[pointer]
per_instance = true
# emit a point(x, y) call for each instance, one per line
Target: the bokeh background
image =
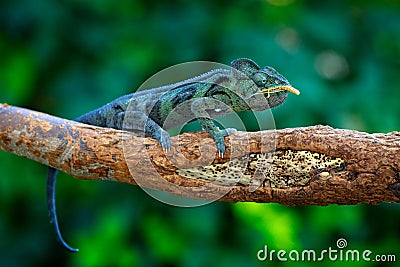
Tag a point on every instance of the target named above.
point(68, 57)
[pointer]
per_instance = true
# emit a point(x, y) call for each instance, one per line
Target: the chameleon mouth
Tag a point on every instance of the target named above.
point(278, 88)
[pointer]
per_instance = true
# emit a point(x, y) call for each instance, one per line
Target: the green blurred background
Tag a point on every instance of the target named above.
point(68, 57)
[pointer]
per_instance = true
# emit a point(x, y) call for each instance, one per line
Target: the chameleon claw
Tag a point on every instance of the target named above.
point(166, 146)
point(166, 149)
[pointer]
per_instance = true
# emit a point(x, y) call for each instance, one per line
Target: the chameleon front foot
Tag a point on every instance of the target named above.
point(219, 139)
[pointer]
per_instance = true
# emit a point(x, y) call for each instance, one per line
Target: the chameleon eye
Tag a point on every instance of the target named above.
point(259, 79)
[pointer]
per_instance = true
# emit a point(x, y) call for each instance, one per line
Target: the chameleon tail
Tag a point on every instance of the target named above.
point(51, 207)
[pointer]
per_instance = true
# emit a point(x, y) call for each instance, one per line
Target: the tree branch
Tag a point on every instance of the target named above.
point(369, 169)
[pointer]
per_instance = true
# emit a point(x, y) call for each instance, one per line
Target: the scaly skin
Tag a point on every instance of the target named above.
point(245, 86)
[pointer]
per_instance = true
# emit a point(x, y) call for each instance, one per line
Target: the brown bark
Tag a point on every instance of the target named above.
point(371, 175)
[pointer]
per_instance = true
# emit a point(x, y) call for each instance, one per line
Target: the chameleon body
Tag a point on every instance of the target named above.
point(245, 86)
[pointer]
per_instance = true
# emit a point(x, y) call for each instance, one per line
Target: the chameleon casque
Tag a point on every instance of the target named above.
point(245, 86)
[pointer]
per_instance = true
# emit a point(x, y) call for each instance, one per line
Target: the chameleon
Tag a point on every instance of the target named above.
point(243, 87)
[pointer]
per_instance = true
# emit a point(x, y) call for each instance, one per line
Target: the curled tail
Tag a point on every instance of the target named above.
point(51, 207)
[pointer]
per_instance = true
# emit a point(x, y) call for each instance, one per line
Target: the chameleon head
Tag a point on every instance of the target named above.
point(269, 82)
point(273, 86)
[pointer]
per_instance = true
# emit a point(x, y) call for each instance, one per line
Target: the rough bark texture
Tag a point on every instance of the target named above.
point(371, 174)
